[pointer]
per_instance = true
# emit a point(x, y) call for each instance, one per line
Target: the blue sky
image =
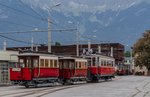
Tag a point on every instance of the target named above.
point(106, 19)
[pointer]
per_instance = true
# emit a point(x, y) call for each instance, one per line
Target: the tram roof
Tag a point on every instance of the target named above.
point(36, 54)
point(98, 55)
point(72, 58)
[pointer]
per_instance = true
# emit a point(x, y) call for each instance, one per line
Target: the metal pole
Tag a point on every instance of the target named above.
point(111, 52)
point(89, 45)
point(49, 35)
point(4, 45)
point(99, 49)
point(32, 44)
point(77, 45)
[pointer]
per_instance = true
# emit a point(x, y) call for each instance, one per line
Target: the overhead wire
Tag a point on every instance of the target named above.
point(17, 40)
point(41, 16)
point(19, 24)
point(34, 31)
point(22, 12)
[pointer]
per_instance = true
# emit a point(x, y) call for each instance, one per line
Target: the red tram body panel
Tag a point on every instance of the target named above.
point(15, 74)
point(93, 70)
point(45, 72)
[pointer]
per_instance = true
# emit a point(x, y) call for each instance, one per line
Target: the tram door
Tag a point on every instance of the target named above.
point(67, 68)
point(72, 67)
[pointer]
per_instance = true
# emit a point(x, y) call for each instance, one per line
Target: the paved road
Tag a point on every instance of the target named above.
point(122, 86)
point(125, 86)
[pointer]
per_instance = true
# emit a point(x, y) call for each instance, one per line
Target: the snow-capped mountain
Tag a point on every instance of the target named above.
point(121, 21)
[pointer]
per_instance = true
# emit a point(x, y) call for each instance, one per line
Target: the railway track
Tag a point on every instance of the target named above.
point(39, 92)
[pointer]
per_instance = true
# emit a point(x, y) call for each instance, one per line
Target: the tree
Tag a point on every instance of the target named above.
point(142, 51)
point(127, 54)
point(57, 44)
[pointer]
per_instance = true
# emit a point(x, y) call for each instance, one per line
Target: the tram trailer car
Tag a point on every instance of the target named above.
point(34, 69)
point(100, 67)
point(72, 69)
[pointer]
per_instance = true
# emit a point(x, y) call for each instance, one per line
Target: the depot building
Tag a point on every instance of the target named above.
point(7, 59)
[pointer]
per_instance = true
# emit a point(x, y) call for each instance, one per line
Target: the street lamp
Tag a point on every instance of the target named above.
point(49, 28)
point(77, 37)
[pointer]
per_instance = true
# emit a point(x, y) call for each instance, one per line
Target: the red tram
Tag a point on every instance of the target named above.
point(100, 67)
point(72, 69)
point(34, 68)
point(39, 68)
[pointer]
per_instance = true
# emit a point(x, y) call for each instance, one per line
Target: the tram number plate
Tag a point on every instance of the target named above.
point(16, 69)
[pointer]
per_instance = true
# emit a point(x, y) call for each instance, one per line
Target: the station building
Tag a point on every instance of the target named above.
point(7, 59)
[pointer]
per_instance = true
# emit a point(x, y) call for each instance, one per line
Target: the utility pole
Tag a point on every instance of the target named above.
point(49, 29)
point(111, 52)
point(77, 45)
point(32, 44)
point(4, 45)
point(89, 45)
point(49, 35)
point(99, 49)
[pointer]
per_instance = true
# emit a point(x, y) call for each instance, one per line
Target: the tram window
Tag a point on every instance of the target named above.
point(28, 62)
point(35, 62)
point(83, 64)
point(41, 62)
point(46, 63)
point(89, 62)
point(21, 63)
point(102, 63)
point(55, 63)
point(108, 64)
point(66, 64)
point(76, 64)
point(51, 63)
point(60, 64)
point(80, 65)
point(72, 65)
point(94, 61)
point(105, 64)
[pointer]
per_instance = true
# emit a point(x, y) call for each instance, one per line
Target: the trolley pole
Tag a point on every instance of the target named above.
point(49, 35)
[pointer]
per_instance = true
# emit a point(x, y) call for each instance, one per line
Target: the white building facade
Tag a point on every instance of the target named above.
point(7, 59)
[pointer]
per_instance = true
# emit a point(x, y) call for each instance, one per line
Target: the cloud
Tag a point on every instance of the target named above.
point(2, 15)
point(79, 6)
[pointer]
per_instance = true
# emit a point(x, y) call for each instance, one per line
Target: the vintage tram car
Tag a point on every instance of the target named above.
point(100, 67)
point(39, 68)
point(72, 69)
